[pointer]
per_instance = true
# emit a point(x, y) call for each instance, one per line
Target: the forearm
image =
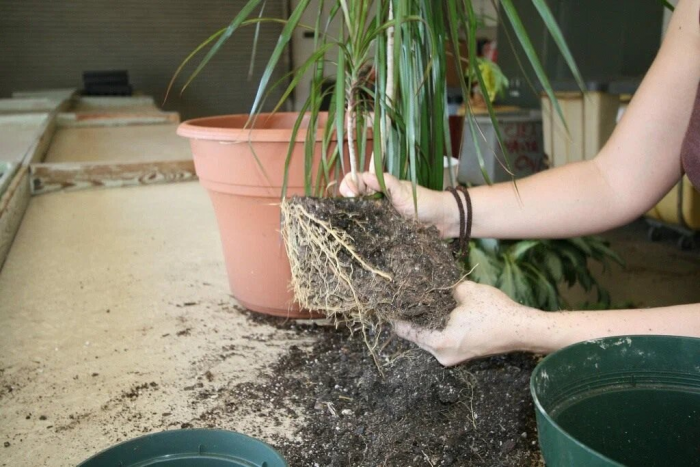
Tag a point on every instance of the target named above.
point(546, 332)
point(567, 201)
point(638, 165)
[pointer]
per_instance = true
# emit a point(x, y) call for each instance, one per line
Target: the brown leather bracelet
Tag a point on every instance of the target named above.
point(468, 233)
point(462, 242)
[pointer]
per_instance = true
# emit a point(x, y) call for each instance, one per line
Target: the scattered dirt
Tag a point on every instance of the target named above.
point(324, 402)
point(358, 258)
point(139, 389)
point(417, 413)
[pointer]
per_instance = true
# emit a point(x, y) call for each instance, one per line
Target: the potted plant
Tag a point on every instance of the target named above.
point(495, 81)
point(387, 111)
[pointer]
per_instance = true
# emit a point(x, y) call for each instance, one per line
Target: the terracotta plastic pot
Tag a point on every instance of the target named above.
point(243, 171)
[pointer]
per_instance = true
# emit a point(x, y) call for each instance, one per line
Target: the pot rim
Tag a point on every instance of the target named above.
point(215, 129)
point(212, 129)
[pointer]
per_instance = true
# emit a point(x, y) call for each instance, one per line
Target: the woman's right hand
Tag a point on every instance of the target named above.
point(485, 322)
point(436, 208)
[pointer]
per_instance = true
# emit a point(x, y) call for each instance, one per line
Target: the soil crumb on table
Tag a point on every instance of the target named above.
point(418, 413)
point(359, 259)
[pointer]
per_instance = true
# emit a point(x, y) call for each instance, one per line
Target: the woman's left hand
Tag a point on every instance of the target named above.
point(485, 322)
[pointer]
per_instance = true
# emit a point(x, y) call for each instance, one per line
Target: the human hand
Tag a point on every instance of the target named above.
point(436, 208)
point(485, 322)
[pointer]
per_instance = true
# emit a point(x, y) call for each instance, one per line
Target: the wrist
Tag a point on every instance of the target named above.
point(450, 214)
point(534, 330)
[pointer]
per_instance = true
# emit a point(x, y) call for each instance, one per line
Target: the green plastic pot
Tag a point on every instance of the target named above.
point(631, 400)
point(191, 448)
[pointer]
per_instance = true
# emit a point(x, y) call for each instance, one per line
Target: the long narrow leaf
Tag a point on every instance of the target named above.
point(292, 143)
point(235, 23)
point(529, 50)
point(284, 38)
point(254, 53)
point(188, 58)
point(299, 74)
point(473, 63)
point(340, 104)
point(558, 37)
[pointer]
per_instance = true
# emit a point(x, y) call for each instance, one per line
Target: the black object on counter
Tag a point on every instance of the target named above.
point(106, 83)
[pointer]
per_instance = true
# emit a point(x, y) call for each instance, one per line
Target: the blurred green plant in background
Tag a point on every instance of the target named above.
point(532, 271)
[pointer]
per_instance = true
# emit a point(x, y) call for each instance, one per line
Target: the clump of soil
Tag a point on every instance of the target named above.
point(358, 259)
point(417, 413)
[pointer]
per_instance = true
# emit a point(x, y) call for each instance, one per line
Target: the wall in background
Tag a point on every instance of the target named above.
point(610, 41)
point(48, 44)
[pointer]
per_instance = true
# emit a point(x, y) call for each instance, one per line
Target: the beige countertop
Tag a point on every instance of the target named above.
point(113, 303)
point(18, 133)
point(137, 143)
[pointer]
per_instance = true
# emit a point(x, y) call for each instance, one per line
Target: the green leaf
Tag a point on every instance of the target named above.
point(299, 74)
point(506, 282)
point(514, 284)
point(284, 38)
point(254, 53)
point(529, 50)
point(546, 293)
point(558, 37)
point(235, 23)
point(553, 266)
point(380, 116)
point(290, 149)
point(486, 269)
point(520, 248)
point(581, 244)
point(585, 279)
point(473, 64)
point(602, 247)
point(577, 260)
point(188, 58)
point(340, 106)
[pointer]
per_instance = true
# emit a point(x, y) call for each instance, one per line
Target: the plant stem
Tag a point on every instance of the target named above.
point(389, 78)
point(351, 122)
point(390, 61)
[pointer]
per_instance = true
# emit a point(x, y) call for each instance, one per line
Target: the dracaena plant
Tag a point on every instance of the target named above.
point(388, 62)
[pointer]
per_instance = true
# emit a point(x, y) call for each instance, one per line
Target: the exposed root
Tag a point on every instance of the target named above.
point(360, 263)
point(314, 243)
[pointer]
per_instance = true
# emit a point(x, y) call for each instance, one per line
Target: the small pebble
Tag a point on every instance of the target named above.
point(508, 446)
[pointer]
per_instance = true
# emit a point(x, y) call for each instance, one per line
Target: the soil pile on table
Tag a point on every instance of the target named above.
point(358, 260)
point(416, 414)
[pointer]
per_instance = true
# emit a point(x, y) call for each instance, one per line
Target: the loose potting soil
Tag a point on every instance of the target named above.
point(358, 259)
point(416, 413)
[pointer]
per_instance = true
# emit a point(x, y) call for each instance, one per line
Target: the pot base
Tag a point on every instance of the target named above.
point(291, 313)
